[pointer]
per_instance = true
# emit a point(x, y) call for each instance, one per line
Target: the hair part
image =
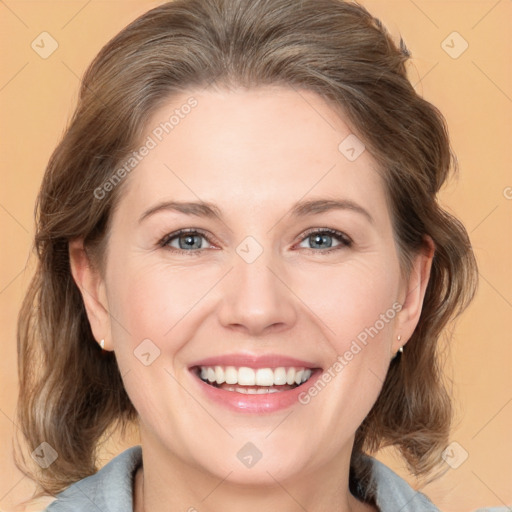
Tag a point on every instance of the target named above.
point(71, 392)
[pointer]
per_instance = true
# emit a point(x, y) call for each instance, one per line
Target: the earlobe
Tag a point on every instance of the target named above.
point(414, 293)
point(92, 287)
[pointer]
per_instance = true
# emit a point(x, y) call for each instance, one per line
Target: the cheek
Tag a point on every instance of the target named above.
point(156, 309)
point(358, 309)
point(150, 301)
point(355, 301)
point(149, 306)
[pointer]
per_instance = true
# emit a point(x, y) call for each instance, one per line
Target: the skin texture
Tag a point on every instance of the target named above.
point(254, 153)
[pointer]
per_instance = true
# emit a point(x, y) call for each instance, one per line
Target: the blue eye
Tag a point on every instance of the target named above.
point(188, 240)
point(323, 240)
point(191, 241)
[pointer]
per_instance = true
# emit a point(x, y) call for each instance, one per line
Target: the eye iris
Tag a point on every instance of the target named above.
point(189, 242)
point(319, 238)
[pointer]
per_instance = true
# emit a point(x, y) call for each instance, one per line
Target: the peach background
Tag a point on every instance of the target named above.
point(474, 91)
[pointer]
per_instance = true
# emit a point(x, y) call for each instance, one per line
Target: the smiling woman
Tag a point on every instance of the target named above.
point(279, 240)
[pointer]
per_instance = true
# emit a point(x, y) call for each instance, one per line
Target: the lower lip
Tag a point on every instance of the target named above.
point(267, 402)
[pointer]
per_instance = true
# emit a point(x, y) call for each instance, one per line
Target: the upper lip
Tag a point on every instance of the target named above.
point(254, 361)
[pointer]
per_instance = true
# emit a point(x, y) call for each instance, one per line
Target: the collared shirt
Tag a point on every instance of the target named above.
point(111, 489)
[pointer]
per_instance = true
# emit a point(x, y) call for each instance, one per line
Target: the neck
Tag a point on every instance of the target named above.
point(171, 485)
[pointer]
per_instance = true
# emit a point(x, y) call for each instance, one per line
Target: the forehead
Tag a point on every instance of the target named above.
point(247, 149)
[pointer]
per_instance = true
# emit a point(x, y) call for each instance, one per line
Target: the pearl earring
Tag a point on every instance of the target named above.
point(102, 344)
point(401, 349)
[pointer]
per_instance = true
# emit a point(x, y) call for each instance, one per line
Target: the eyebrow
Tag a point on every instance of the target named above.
point(299, 209)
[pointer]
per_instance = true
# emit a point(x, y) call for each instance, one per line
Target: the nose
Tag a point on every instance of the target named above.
point(256, 299)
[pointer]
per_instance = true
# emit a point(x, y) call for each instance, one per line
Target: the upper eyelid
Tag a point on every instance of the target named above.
point(330, 231)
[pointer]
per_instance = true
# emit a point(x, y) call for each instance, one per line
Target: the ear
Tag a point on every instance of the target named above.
point(92, 288)
point(413, 293)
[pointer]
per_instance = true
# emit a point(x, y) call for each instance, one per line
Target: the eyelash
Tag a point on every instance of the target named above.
point(344, 240)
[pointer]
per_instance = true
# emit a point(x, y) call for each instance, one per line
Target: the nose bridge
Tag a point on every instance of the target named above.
point(254, 295)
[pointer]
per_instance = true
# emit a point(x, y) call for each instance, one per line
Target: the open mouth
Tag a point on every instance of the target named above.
point(254, 381)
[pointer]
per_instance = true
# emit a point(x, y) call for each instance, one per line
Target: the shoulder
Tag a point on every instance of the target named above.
point(108, 490)
point(393, 493)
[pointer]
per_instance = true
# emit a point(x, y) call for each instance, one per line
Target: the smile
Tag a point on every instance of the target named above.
point(244, 389)
point(254, 380)
point(247, 382)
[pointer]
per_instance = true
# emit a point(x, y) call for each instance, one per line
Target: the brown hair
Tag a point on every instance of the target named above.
point(70, 392)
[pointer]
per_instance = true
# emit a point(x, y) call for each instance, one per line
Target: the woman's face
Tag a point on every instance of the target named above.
point(257, 174)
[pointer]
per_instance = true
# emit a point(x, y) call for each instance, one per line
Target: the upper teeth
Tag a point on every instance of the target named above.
point(245, 376)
